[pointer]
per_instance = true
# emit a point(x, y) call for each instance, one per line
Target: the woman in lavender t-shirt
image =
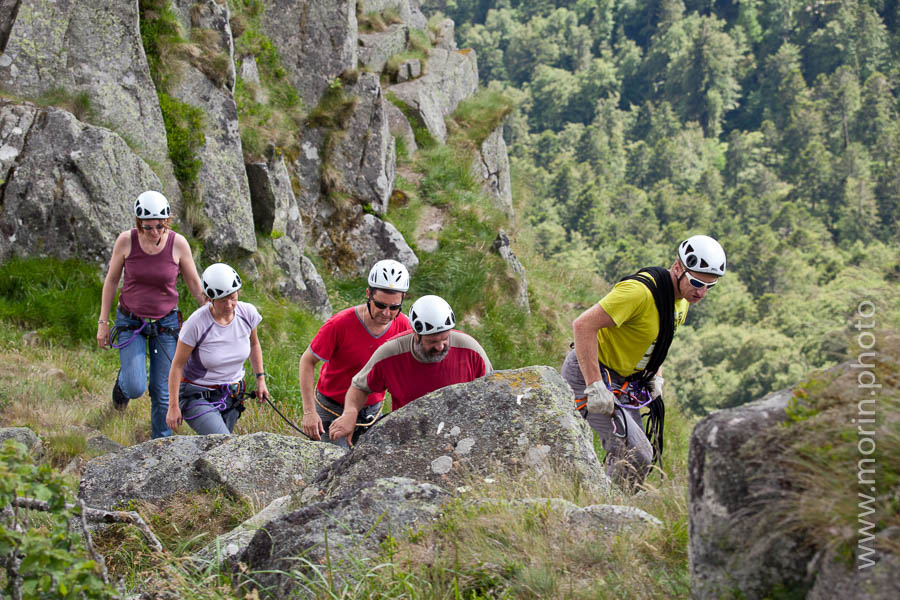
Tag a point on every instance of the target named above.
point(207, 373)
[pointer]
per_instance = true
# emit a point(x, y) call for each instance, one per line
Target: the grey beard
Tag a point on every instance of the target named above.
point(425, 357)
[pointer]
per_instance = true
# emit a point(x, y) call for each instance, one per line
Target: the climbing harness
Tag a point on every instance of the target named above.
point(215, 398)
point(634, 394)
point(148, 328)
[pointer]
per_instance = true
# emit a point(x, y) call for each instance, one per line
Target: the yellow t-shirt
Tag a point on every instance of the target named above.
point(626, 348)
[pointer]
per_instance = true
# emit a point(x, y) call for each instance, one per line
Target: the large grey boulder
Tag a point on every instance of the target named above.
point(261, 467)
point(376, 48)
point(491, 166)
point(24, 436)
point(502, 247)
point(8, 11)
point(355, 524)
point(729, 555)
point(92, 48)
point(227, 548)
point(153, 471)
point(258, 467)
point(365, 153)
point(399, 127)
point(301, 281)
point(875, 580)
point(350, 245)
point(451, 77)
point(316, 40)
point(445, 35)
point(509, 422)
point(70, 187)
point(277, 214)
point(221, 188)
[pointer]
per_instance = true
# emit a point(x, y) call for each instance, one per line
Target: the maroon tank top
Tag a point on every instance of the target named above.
point(149, 290)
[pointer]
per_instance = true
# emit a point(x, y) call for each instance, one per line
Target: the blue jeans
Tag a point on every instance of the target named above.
point(133, 370)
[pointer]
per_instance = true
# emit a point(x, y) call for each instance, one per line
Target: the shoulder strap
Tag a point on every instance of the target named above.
point(659, 282)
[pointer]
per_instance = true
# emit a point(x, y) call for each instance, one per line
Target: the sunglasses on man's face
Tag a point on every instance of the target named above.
point(159, 227)
point(699, 284)
point(382, 305)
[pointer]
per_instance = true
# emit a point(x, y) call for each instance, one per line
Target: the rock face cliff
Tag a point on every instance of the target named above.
point(794, 495)
point(102, 100)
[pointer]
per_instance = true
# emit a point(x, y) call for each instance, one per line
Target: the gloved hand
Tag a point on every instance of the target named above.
point(656, 387)
point(599, 399)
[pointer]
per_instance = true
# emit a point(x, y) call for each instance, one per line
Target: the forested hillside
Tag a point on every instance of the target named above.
point(769, 124)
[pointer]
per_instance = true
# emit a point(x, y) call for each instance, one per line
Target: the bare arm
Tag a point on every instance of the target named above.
point(585, 329)
point(311, 423)
point(176, 372)
point(185, 260)
point(256, 361)
point(120, 251)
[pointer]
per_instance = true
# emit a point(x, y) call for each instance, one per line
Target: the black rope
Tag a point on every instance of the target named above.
point(286, 420)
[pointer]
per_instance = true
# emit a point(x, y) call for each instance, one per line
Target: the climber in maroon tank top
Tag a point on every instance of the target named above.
point(151, 256)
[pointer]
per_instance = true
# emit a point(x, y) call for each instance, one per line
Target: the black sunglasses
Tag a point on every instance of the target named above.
point(382, 305)
point(158, 227)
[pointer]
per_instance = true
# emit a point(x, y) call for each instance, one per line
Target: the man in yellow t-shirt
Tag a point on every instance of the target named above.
point(614, 342)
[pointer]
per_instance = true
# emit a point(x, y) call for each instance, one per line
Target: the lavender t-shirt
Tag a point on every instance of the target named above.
point(219, 350)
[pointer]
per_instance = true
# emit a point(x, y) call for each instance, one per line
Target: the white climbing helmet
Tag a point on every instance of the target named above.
point(702, 254)
point(389, 275)
point(219, 280)
point(151, 205)
point(431, 314)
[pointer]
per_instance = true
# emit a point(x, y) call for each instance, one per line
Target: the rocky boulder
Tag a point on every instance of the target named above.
point(354, 524)
point(349, 245)
point(95, 49)
point(24, 436)
point(445, 35)
point(227, 548)
point(316, 40)
point(207, 83)
point(399, 127)
point(875, 581)
point(364, 154)
point(451, 77)
point(502, 247)
point(261, 466)
point(728, 554)
point(276, 214)
point(376, 48)
point(507, 422)
point(70, 187)
point(491, 166)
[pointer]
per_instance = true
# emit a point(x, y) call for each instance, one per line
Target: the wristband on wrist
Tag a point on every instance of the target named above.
point(263, 374)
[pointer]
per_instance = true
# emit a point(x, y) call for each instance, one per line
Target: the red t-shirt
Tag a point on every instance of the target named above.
point(345, 345)
point(394, 368)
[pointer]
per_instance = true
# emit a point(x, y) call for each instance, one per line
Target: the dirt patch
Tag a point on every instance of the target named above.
point(429, 227)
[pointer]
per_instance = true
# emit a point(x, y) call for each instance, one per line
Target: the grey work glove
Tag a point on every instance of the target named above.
point(599, 399)
point(656, 387)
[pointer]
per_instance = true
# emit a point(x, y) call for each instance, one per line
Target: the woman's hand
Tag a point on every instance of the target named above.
point(262, 392)
point(103, 335)
point(173, 418)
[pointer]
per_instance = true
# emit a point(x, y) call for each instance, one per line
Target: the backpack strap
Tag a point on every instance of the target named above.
point(659, 282)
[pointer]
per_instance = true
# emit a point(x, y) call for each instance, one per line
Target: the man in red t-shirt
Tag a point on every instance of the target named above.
point(415, 363)
point(345, 343)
